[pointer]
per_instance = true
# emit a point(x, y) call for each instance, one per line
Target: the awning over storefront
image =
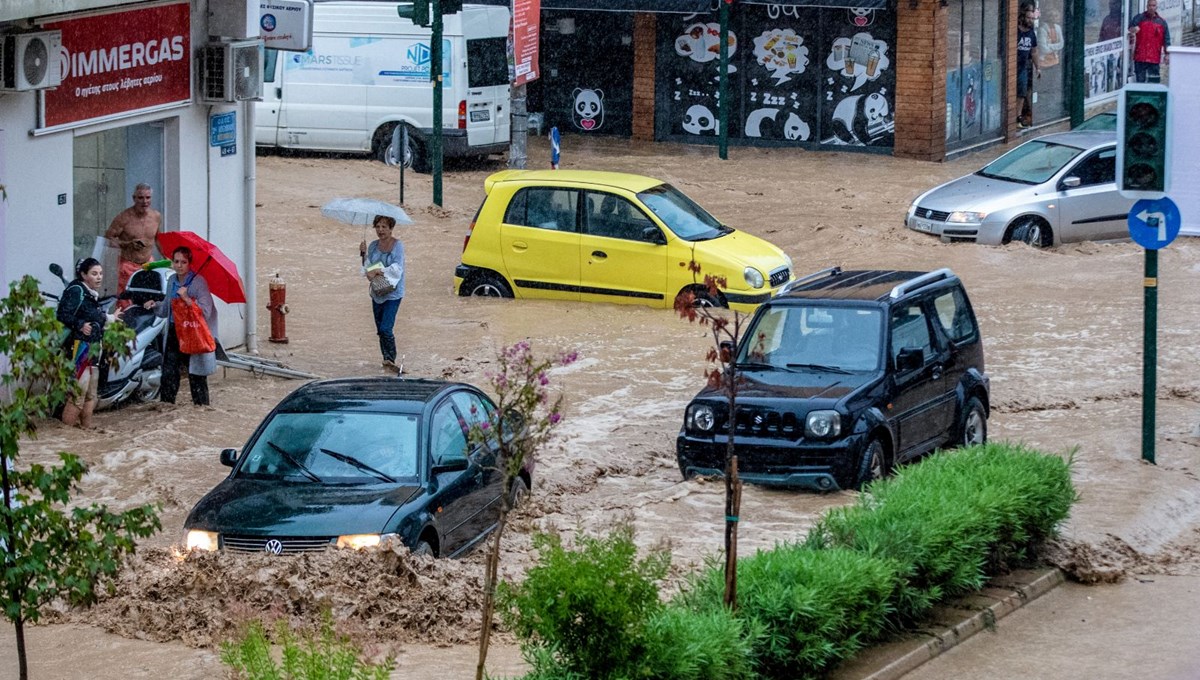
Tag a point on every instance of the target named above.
point(688, 6)
point(849, 4)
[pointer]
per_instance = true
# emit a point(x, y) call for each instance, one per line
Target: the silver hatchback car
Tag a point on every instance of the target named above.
point(1050, 190)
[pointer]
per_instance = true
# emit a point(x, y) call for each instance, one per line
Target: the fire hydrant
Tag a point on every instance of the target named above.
point(279, 309)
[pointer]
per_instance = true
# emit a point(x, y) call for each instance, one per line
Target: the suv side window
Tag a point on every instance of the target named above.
point(910, 329)
point(449, 439)
point(954, 315)
point(613, 216)
point(543, 208)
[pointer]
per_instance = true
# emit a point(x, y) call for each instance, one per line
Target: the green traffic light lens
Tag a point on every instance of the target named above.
point(1143, 114)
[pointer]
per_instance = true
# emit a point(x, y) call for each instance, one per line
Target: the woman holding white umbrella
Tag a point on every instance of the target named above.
point(383, 265)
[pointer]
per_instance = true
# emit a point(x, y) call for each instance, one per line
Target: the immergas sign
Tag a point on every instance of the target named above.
point(286, 24)
point(121, 63)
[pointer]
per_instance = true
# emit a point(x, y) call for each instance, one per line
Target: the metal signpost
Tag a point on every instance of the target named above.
point(555, 147)
point(1153, 224)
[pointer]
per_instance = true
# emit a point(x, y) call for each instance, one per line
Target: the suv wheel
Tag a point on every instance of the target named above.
point(873, 464)
point(489, 285)
point(973, 428)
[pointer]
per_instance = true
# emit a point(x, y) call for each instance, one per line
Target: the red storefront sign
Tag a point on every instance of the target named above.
point(121, 63)
point(527, 20)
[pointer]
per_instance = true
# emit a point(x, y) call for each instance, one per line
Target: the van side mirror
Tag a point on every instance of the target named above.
point(910, 358)
point(229, 457)
point(1071, 182)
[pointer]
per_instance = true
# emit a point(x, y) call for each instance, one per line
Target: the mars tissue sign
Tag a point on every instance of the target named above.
point(121, 63)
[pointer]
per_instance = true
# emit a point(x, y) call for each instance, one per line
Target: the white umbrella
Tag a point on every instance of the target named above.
point(362, 211)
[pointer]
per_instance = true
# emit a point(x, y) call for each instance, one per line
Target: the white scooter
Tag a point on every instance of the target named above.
point(138, 375)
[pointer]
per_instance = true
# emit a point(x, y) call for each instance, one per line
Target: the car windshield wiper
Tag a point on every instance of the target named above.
point(759, 365)
point(295, 463)
point(820, 367)
point(354, 462)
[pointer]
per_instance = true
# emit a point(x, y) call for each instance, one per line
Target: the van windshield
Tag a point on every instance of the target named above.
point(487, 62)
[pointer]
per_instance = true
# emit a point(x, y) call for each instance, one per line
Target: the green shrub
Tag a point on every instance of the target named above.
point(954, 518)
point(323, 655)
point(589, 606)
point(805, 609)
point(684, 644)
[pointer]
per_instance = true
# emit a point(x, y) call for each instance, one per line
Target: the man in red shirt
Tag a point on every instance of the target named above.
point(1151, 38)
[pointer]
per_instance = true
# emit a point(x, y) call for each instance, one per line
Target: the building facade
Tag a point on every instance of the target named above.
point(122, 108)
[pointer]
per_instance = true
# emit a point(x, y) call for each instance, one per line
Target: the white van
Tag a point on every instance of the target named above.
point(368, 71)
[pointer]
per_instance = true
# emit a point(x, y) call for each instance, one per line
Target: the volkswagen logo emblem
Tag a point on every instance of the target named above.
point(273, 546)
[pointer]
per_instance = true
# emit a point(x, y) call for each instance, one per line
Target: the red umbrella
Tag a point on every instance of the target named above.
point(208, 261)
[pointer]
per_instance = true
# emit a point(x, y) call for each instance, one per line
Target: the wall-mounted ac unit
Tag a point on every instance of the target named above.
point(231, 71)
point(31, 61)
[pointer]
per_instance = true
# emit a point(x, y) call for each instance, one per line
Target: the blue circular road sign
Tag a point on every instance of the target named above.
point(1154, 223)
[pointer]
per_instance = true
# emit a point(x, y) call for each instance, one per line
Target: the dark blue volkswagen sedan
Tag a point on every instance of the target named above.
point(352, 462)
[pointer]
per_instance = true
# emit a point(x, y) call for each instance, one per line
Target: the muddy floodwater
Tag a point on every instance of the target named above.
point(1062, 333)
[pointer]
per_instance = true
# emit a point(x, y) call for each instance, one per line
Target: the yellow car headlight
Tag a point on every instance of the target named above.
point(360, 541)
point(202, 540)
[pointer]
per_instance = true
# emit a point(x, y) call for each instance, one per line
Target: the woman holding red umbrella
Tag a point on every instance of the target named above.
point(192, 289)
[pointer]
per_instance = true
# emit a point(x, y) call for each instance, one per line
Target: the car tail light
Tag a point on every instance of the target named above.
point(471, 227)
point(462, 115)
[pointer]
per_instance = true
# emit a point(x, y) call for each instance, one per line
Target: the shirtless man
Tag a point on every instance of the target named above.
point(133, 231)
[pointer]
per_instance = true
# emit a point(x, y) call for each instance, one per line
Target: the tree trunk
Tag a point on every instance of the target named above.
point(22, 662)
point(733, 499)
point(489, 591)
point(519, 130)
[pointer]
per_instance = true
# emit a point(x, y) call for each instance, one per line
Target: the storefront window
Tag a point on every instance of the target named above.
point(1103, 52)
point(1051, 99)
point(107, 167)
point(586, 60)
point(973, 71)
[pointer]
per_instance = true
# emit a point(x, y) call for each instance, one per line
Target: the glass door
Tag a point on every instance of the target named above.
point(974, 72)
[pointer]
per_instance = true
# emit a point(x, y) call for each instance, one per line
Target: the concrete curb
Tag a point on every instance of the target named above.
point(954, 624)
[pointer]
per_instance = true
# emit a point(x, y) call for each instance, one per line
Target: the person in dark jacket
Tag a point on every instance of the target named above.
point(80, 311)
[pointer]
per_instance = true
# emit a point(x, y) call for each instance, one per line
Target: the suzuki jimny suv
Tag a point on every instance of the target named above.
point(844, 374)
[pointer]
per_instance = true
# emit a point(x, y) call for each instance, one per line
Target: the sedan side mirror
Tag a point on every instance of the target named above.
point(652, 234)
point(910, 358)
point(1071, 182)
point(229, 457)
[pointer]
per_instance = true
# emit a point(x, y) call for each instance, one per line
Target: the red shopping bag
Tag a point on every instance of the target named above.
point(190, 328)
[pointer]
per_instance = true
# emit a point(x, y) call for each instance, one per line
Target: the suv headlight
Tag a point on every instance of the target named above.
point(823, 424)
point(966, 216)
point(754, 278)
point(700, 417)
point(205, 541)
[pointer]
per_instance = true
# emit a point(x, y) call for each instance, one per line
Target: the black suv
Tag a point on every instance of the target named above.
point(844, 375)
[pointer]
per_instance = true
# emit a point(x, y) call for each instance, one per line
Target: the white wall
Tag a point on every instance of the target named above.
point(1185, 136)
point(35, 230)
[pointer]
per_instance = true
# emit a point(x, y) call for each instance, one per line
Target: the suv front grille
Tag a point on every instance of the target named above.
point(780, 276)
point(291, 544)
point(935, 215)
point(767, 423)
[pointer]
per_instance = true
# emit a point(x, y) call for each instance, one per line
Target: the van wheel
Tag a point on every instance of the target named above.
point(381, 145)
point(489, 285)
point(416, 155)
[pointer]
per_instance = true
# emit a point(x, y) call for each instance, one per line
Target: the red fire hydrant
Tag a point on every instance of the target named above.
point(279, 309)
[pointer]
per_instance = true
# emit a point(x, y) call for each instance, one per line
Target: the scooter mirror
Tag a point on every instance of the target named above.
point(56, 269)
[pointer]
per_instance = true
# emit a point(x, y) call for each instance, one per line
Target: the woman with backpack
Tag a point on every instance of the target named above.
point(80, 311)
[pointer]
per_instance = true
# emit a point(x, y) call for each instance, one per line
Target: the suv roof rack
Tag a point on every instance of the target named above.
point(832, 271)
point(921, 281)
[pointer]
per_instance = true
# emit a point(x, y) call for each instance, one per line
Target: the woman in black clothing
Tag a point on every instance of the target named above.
point(80, 311)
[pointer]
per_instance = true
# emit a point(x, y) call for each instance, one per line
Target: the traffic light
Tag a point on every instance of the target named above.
point(451, 6)
point(418, 11)
point(1143, 150)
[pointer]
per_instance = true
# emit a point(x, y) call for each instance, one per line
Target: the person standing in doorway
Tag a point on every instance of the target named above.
point(1151, 37)
point(383, 265)
point(1027, 42)
point(133, 231)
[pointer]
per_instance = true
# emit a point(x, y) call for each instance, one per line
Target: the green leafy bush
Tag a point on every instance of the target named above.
point(590, 605)
point(319, 655)
point(684, 644)
point(954, 518)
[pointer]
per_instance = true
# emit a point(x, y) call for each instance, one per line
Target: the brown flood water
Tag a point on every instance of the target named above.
point(1062, 332)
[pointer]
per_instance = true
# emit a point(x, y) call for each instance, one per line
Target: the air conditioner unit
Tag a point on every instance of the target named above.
point(31, 61)
point(231, 71)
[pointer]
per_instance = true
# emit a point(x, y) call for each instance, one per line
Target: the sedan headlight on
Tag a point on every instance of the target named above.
point(700, 417)
point(205, 541)
point(360, 541)
point(823, 424)
point(966, 216)
point(754, 278)
point(912, 210)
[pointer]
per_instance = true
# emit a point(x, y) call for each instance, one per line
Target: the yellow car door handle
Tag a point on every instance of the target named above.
point(520, 246)
point(599, 254)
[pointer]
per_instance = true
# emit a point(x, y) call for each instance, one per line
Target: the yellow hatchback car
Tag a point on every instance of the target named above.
point(608, 237)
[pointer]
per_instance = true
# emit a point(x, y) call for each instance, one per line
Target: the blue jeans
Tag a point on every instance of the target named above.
point(385, 321)
point(1145, 72)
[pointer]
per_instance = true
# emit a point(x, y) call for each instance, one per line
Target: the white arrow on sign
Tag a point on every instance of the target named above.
point(1160, 220)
